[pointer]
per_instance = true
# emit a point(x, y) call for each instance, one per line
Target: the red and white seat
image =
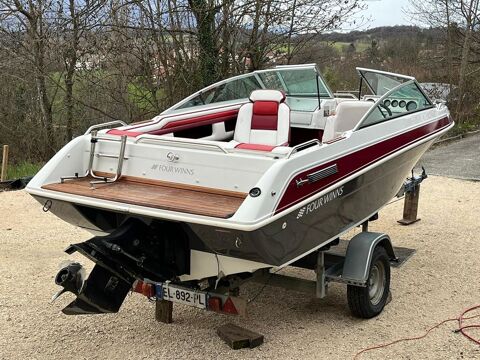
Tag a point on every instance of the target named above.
point(264, 123)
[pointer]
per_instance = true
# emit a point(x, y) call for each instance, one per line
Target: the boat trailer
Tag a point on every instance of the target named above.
point(367, 253)
point(364, 268)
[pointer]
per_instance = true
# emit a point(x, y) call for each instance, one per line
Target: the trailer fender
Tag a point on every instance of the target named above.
point(359, 255)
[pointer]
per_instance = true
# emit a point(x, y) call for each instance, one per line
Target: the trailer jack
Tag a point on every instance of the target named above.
point(411, 190)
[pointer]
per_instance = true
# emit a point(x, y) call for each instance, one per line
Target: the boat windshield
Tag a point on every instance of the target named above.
point(303, 86)
point(405, 99)
point(380, 82)
point(301, 82)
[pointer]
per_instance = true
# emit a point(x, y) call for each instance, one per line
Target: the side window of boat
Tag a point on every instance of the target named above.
point(271, 80)
point(232, 90)
point(405, 100)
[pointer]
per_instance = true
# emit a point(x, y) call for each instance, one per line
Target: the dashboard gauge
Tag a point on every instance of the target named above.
point(387, 102)
point(402, 103)
point(394, 103)
point(412, 105)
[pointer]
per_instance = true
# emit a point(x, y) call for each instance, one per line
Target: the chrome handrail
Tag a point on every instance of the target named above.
point(299, 146)
point(90, 172)
point(178, 141)
point(99, 126)
point(118, 174)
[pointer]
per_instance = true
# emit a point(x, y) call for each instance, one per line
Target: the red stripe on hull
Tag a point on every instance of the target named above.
point(354, 162)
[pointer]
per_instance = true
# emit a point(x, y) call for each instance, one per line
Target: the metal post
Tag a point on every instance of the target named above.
point(93, 143)
point(321, 288)
point(365, 226)
point(121, 157)
point(410, 206)
point(3, 175)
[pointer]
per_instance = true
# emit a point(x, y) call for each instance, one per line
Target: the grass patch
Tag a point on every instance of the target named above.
point(341, 47)
point(15, 171)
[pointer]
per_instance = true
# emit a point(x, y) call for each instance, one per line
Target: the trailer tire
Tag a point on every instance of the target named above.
point(367, 302)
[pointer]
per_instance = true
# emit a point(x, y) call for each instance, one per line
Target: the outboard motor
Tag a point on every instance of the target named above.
point(71, 277)
point(135, 250)
point(103, 291)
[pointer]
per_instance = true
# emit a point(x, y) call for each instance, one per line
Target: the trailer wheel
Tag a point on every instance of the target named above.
point(367, 302)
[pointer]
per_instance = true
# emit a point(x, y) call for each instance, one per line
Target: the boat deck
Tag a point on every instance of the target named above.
point(157, 194)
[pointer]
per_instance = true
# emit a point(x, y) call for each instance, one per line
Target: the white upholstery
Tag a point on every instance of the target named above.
point(348, 114)
point(329, 131)
point(283, 127)
point(230, 145)
point(243, 129)
point(267, 95)
point(281, 150)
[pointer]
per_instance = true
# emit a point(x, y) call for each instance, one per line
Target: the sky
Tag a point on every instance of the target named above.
point(386, 13)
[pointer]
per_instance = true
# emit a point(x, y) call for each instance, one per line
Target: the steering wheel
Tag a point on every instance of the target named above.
point(386, 108)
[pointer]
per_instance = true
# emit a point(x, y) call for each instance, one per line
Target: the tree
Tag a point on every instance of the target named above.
point(26, 24)
point(205, 12)
point(469, 10)
point(460, 19)
point(74, 24)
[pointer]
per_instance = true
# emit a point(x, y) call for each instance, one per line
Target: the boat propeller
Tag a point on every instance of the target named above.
point(71, 277)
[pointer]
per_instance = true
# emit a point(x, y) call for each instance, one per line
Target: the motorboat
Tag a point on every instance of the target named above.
point(253, 173)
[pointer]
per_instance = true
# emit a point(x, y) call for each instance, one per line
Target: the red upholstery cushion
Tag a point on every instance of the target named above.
point(265, 115)
point(258, 147)
point(124, 132)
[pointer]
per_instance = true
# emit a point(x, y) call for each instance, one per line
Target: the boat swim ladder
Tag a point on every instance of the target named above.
point(91, 173)
point(121, 158)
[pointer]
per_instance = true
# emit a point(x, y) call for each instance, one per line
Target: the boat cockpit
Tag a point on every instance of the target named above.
point(277, 110)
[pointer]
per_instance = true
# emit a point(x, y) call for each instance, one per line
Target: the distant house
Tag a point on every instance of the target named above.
point(437, 91)
point(89, 61)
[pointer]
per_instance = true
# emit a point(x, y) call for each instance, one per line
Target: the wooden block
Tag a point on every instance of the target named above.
point(238, 338)
point(407, 222)
point(163, 311)
point(410, 208)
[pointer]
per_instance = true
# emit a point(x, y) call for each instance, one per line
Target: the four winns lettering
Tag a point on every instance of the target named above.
point(172, 169)
point(318, 203)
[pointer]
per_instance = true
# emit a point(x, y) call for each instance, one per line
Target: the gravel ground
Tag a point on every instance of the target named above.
point(439, 281)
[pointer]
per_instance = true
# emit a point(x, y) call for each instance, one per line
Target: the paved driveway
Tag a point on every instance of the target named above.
point(460, 159)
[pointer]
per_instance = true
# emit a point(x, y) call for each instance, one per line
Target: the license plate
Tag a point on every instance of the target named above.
point(181, 295)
